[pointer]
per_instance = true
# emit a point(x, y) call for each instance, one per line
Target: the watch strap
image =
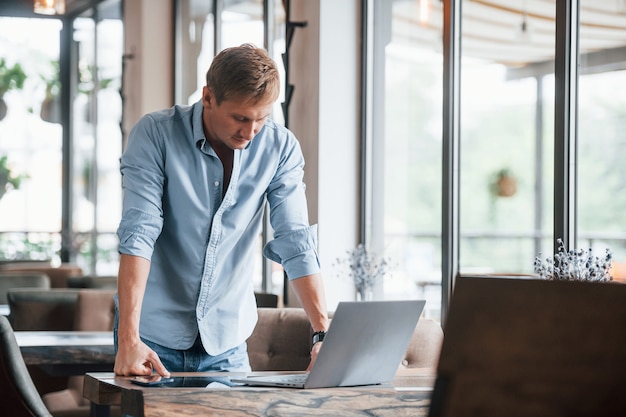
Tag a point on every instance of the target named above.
point(318, 336)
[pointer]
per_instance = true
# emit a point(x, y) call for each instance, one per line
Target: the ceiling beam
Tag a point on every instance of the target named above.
point(590, 63)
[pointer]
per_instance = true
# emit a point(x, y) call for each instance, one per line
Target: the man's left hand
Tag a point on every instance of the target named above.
point(314, 351)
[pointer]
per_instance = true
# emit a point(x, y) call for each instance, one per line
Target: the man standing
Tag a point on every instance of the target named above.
point(195, 181)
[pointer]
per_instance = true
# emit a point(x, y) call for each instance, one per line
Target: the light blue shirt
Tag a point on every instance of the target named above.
point(202, 246)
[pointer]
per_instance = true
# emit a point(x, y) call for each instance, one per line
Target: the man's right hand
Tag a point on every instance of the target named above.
point(138, 359)
point(133, 356)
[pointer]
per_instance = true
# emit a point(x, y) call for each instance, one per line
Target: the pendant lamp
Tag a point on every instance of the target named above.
point(49, 7)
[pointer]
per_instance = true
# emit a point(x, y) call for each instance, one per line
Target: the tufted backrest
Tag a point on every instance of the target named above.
point(425, 345)
point(281, 341)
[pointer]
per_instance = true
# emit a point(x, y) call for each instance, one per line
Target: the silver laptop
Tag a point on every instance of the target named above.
point(363, 346)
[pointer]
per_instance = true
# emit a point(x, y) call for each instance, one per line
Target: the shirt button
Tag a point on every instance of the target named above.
point(216, 183)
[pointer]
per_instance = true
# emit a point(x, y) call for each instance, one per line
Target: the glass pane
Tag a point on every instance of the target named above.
point(30, 139)
point(242, 22)
point(108, 148)
point(272, 279)
point(277, 47)
point(83, 142)
point(507, 96)
point(97, 138)
point(194, 49)
point(407, 163)
point(601, 124)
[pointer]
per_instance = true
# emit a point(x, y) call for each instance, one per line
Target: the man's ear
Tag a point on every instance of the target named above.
point(208, 99)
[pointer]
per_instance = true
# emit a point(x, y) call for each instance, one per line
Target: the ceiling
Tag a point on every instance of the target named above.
point(515, 33)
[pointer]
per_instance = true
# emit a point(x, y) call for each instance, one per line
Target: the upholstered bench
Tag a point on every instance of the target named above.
point(281, 341)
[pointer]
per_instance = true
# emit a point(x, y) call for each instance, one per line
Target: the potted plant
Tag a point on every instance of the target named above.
point(51, 105)
point(8, 180)
point(503, 183)
point(10, 78)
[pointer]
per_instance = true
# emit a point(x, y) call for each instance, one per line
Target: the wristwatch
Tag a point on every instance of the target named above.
point(318, 336)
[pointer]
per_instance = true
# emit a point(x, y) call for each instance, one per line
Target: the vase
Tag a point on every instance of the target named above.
point(364, 294)
point(51, 110)
point(507, 186)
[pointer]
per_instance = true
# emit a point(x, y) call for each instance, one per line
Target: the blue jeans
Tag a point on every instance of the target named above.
point(195, 359)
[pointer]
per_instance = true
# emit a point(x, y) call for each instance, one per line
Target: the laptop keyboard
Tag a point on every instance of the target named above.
point(296, 379)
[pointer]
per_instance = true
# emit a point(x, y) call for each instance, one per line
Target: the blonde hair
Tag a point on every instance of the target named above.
point(243, 73)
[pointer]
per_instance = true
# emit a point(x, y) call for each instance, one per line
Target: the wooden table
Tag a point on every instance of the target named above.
point(409, 395)
point(66, 353)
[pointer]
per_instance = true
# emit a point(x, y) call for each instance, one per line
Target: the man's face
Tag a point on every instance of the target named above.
point(232, 124)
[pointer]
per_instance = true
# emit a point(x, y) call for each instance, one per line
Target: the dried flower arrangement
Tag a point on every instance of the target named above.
point(365, 268)
point(575, 265)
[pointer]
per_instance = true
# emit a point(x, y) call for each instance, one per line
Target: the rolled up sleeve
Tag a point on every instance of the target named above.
point(137, 233)
point(296, 251)
point(142, 183)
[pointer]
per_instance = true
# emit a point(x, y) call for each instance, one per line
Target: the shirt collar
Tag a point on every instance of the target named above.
point(196, 121)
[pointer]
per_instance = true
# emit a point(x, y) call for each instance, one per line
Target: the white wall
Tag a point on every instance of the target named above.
point(149, 64)
point(324, 115)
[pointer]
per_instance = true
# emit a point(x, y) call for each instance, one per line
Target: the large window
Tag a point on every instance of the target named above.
point(97, 138)
point(506, 175)
point(68, 203)
point(406, 146)
point(506, 135)
point(30, 139)
point(601, 131)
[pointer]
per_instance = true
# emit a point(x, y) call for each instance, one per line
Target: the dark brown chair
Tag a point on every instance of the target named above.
point(35, 309)
point(95, 311)
point(529, 347)
point(266, 300)
point(19, 395)
point(61, 309)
